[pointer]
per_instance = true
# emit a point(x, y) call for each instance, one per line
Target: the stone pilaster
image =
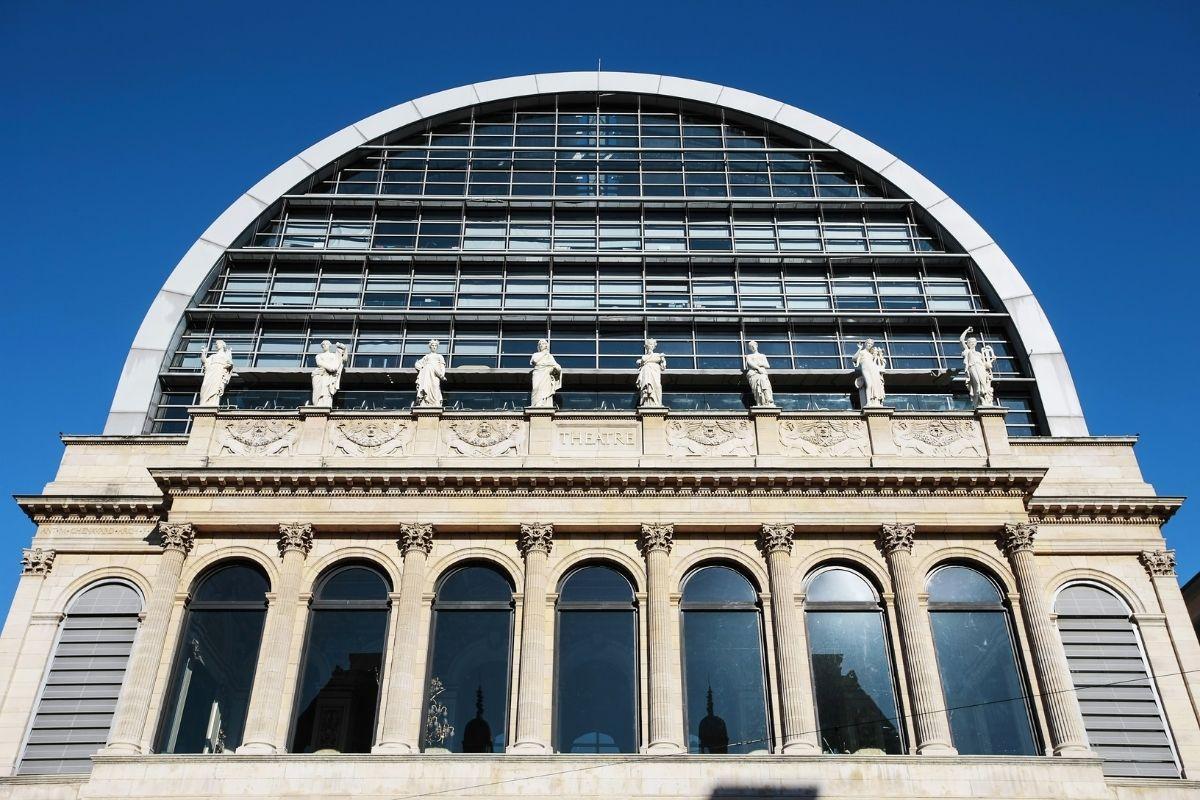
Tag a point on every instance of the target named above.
point(133, 705)
point(23, 653)
point(1177, 629)
point(1067, 734)
point(535, 542)
point(791, 643)
point(400, 729)
point(267, 700)
point(666, 718)
point(930, 719)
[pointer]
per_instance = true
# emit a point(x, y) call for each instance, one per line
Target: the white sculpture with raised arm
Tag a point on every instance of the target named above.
point(327, 375)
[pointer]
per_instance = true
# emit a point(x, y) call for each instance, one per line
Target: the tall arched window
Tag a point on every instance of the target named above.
point(214, 668)
point(723, 668)
point(470, 656)
point(985, 694)
point(81, 689)
point(595, 697)
point(343, 662)
point(853, 680)
point(1121, 712)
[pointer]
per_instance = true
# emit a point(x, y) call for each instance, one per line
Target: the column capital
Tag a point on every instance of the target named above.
point(295, 536)
point(1018, 537)
point(415, 536)
point(37, 561)
point(656, 536)
point(895, 536)
point(776, 538)
point(1159, 563)
point(177, 536)
point(535, 537)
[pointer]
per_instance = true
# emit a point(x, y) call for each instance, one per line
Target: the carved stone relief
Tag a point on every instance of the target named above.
point(484, 438)
point(825, 437)
point(937, 437)
point(710, 437)
point(258, 437)
point(369, 437)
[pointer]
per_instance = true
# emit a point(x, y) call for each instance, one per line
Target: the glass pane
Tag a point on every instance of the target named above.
point(718, 585)
point(475, 584)
point(983, 691)
point(596, 694)
point(723, 669)
point(852, 681)
point(1089, 601)
point(596, 585)
point(339, 691)
point(470, 657)
point(961, 585)
point(839, 586)
point(237, 582)
point(355, 583)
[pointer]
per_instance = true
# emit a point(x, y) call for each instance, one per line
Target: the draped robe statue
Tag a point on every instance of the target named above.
point(218, 369)
point(870, 362)
point(649, 378)
point(978, 366)
point(327, 375)
point(756, 374)
point(431, 371)
point(546, 377)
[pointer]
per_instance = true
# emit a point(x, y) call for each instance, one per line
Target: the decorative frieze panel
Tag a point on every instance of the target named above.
point(371, 437)
point(824, 437)
point(484, 438)
point(942, 437)
point(710, 437)
point(597, 438)
point(257, 437)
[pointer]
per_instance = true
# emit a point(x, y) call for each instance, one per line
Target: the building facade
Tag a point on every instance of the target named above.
point(286, 569)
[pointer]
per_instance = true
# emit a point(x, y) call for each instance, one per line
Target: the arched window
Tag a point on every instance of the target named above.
point(470, 656)
point(1121, 712)
point(80, 693)
point(595, 697)
point(852, 674)
point(214, 667)
point(343, 662)
point(723, 668)
point(985, 694)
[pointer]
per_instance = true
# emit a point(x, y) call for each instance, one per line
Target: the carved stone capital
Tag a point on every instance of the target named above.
point(536, 537)
point(177, 536)
point(776, 538)
point(656, 536)
point(894, 536)
point(37, 561)
point(295, 536)
point(415, 536)
point(1017, 537)
point(1159, 563)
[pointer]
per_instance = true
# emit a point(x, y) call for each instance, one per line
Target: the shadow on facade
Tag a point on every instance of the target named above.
point(734, 792)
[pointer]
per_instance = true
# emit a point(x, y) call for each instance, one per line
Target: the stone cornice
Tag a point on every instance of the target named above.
point(640, 482)
point(92, 508)
point(1103, 510)
point(141, 440)
point(1040, 441)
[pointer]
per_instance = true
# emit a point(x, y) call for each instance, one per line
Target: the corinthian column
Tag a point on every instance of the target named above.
point(1067, 734)
point(267, 697)
point(916, 640)
point(400, 730)
point(666, 715)
point(791, 643)
point(533, 715)
point(133, 705)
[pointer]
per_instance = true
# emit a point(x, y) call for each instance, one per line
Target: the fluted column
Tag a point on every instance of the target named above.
point(25, 647)
point(267, 700)
point(533, 715)
point(1063, 717)
point(666, 716)
point(916, 638)
point(133, 705)
point(791, 643)
point(400, 731)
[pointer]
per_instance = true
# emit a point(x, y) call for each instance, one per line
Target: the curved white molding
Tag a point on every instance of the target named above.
point(136, 388)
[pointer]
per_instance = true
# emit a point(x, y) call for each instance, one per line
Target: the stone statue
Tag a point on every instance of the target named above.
point(218, 369)
point(431, 371)
point(870, 363)
point(978, 366)
point(756, 373)
point(327, 375)
point(546, 377)
point(649, 378)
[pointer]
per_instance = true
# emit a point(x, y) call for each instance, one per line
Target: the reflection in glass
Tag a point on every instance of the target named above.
point(343, 662)
point(214, 669)
point(472, 642)
point(851, 668)
point(723, 663)
point(595, 698)
point(986, 698)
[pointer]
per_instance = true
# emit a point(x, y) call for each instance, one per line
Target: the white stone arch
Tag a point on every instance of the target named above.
point(81, 583)
point(506, 563)
point(1102, 580)
point(136, 387)
point(874, 571)
point(630, 566)
point(754, 570)
point(194, 569)
point(316, 570)
point(991, 565)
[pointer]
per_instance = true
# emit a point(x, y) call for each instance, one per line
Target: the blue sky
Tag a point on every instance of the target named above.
point(1068, 129)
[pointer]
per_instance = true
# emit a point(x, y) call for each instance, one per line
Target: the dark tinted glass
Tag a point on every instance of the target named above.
point(839, 586)
point(236, 582)
point(470, 657)
point(475, 584)
point(354, 583)
point(596, 694)
point(961, 585)
point(718, 585)
point(723, 676)
point(596, 584)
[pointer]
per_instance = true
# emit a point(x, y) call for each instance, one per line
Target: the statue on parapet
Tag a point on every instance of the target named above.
point(218, 370)
point(757, 366)
point(649, 378)
point(977, 364)
point(431, 371)
point(546, 377)
point(327, 375)
point(870, 363)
